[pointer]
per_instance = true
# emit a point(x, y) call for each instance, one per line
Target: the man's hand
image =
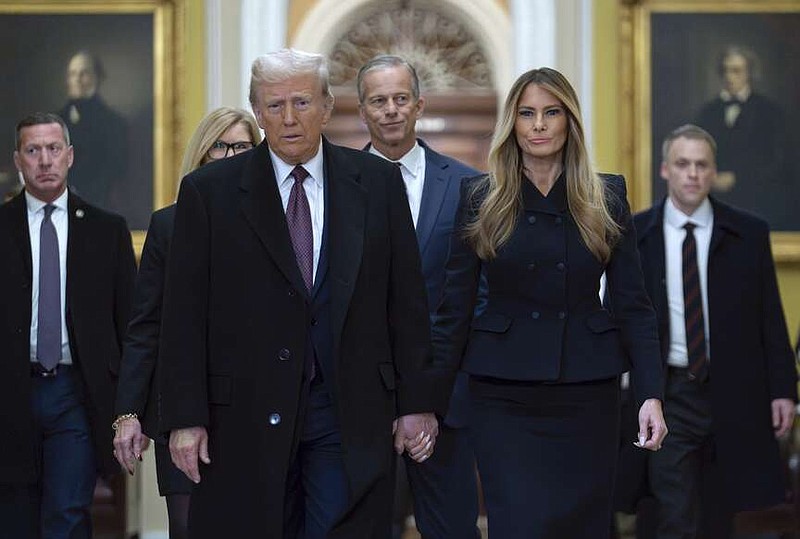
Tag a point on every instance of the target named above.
point(129, 442)
point(185, 447)
point(782, 416)
point(416, 433)
point(652, 427)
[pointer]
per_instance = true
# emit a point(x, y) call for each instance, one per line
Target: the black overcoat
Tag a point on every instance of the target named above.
point(751, 358)
point(235, 324)
point(100, 275)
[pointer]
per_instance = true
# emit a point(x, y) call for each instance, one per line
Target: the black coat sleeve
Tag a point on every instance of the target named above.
point(140, 348)
point(629, 302)
point(183, 354)
point(451, 322)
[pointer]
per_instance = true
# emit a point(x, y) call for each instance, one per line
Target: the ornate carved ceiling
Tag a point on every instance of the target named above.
point(444, 53)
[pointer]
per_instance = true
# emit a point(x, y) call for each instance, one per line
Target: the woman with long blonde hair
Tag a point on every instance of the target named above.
point(224, 132)
point(544, 356)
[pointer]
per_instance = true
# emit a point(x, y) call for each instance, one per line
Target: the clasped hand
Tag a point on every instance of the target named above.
point(416, 434)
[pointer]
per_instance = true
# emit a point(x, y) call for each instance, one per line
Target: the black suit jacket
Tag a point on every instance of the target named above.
point(137, 391)
point(100, 274)
point(751, 358)
point(543, 317)
point(236, 322)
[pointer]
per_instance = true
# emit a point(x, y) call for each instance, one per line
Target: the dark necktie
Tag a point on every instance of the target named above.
point(48, 334)
point(693, 308)
point(298, 217)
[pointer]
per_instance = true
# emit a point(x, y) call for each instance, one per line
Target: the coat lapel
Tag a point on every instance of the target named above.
point(79, 215)
point(263, 211)
point(434, 189)
point(346, 209)
point(724, 228)
point(19, 229)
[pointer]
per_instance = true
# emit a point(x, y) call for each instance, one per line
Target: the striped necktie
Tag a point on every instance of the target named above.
point(693, 309)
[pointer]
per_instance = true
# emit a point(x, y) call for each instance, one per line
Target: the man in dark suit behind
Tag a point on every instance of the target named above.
point(295, 330)
point(731, 384)
point(444, 487)
point(69, 270)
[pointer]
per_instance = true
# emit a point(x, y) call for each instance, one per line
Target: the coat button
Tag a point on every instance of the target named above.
point(559, 220)
point(535, 315)
point(284, 354)
point(532, 266)
point(562, 315)
point(560, 266)
point(313, 321)
point(274, 419)
point(531, 219)
point(292, 292)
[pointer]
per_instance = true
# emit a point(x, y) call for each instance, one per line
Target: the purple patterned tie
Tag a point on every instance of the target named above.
point(48, 333)
point(298, 217)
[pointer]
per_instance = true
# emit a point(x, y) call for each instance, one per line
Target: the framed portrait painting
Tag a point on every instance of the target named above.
point(733, 68)
point(110, 69)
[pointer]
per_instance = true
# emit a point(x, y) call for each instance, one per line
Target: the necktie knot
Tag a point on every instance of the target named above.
point(299, 173)
point(690, 227)
point(48, 211)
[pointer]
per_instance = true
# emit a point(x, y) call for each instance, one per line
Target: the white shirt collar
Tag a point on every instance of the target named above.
point(34, 204)
point(701, 217)
point(410, 161)
point(742, 95)
point(314, 166)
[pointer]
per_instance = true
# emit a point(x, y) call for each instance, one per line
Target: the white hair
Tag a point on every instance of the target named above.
point(284, 64)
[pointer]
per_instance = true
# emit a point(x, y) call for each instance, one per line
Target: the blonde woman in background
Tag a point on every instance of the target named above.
point(224, 132)
point(544, 356)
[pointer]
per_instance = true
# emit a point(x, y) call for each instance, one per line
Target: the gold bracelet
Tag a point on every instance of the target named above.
point(121, 418)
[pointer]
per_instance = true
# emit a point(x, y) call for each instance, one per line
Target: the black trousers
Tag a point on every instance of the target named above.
point(683, 473)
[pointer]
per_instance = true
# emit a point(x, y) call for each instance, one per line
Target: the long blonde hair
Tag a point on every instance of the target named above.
point(210, 129)
point(586, 197)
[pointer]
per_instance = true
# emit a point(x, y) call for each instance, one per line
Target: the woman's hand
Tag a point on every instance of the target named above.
point(652, 427)
point(129, 442)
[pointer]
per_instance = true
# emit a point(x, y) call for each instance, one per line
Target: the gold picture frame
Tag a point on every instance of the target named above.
point(670, 52)
point(140, 46)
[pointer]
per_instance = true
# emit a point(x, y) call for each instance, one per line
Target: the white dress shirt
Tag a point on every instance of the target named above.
point(60, 220)
point(315, 192)
point(674, 234)
point(412, 167)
